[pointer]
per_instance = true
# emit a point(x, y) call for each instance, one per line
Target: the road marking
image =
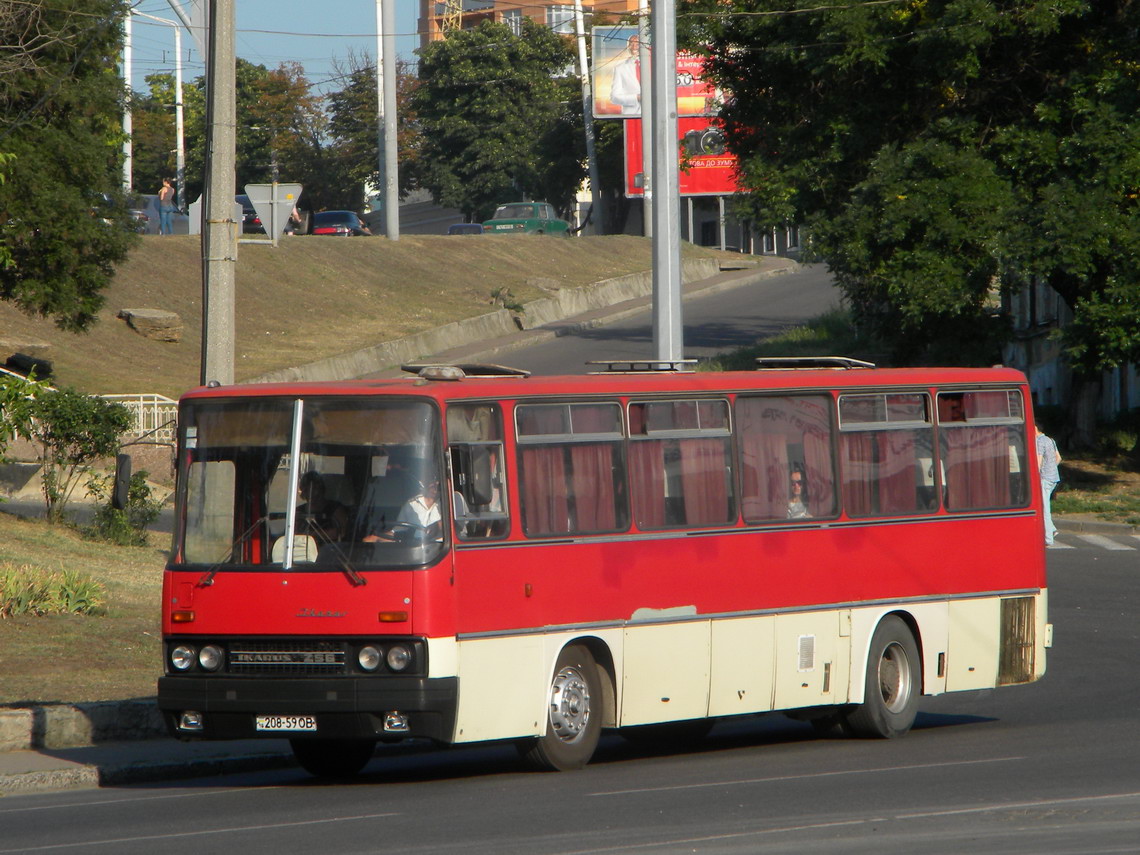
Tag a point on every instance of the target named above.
point(1056, 544)
point(1104, 542)
point(780, 778)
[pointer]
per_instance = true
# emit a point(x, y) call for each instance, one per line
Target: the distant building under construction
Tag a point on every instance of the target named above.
point(437, 17)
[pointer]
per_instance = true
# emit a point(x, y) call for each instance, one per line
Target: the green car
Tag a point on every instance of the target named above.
point(536, 218)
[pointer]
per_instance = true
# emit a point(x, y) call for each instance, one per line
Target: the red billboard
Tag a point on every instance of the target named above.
point(706, 168)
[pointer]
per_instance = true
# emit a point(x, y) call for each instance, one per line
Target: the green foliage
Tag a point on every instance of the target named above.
point(31, 591)
point(73, 431)
point(498, 118)
point(60, 109)
point(17, 400)
point(122, 526)
point(944, 152)
point(354, 127)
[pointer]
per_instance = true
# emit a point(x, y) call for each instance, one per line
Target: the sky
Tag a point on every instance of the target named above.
point(314, 33)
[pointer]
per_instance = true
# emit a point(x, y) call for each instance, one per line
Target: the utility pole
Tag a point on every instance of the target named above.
point(128, 119)
point(643, 59)
point(588, 122)
point(667, 328)
point(220, 229)
point(179, 130)
point(386, 105)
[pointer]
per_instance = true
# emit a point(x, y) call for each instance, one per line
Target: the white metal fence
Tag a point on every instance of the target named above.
point(155, 417)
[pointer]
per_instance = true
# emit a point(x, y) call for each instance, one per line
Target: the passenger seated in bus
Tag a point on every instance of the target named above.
point(317, 514)
point(418, 519)
point(797, 496)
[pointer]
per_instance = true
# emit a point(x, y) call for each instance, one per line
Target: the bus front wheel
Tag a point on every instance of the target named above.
point(332, 758)
point(573, 714)
point(894, 683)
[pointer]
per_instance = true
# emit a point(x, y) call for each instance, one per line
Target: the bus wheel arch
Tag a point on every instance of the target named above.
point(575, 708)
point(893, 681)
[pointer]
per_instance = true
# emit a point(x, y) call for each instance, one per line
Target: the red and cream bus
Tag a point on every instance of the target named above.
point(460, 556)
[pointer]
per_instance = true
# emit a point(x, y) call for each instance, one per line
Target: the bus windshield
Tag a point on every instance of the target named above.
point(351, 483)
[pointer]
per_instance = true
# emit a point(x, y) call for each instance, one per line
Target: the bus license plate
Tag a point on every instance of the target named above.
point(286, 722)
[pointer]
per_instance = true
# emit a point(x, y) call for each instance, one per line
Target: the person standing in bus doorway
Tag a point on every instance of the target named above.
point(166, 207)
point(1048, 459)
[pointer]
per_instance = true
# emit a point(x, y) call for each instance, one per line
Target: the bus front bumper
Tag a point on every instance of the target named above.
point(387, 708)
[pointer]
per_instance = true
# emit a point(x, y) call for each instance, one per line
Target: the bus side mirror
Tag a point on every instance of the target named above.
point(482, 486)
point(122, 487)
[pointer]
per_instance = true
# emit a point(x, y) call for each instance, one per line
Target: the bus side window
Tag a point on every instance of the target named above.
point(783, 440)
point(982, 445)
point(886, 448)
point(479, 501)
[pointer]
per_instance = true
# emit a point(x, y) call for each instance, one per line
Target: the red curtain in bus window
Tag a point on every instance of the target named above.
point(977, 468)
point(820, 482)
point(703, 469)
point(981, 405)
point(766, 476)
point(897, 472)
point(647, 474)
point(545, 508)
point(858, 450)
point(593, 486)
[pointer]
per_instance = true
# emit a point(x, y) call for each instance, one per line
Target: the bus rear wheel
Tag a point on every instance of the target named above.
point(573, 715)
point(332, 758)
point(894, 682)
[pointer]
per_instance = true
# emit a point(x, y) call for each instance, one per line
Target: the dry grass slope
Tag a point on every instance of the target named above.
point(311, 298)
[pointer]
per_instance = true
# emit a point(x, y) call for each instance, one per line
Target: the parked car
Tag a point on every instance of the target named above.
point(250, 222)
point(343, 223)
point(465, 229)
point(526, 218)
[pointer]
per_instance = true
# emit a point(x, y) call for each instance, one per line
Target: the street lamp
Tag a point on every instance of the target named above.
point(180, 151)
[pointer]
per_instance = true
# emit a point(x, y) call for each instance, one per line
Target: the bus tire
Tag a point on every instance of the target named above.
point(332, 758)
point(893, 683)
point(573, 714)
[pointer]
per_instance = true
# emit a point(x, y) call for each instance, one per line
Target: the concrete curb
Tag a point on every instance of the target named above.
point(563, 303)
point(1090, 526)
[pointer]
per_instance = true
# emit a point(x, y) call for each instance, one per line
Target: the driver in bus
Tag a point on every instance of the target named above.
point(419, 514)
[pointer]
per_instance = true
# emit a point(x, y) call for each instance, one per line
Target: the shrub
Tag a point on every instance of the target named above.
point(122, 526)
point(28, 590)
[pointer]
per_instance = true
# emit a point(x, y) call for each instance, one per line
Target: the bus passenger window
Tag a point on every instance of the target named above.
point(886, 453)
point(680, 462)
point(982, 448)
point(479, 501)
point(787, 471)
point(571, 469)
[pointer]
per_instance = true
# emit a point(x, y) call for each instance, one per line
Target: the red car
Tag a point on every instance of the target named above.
point(343, 223)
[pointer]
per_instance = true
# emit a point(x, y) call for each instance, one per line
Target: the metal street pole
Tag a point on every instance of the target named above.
point(128, 119)
point(667, 328)
point(179, 128)
point(643, 59)
point(588, 122)
point(386, 115)
point(220, 229)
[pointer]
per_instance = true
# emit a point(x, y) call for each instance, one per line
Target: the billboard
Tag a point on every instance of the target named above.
point(706, 168)
point(616, 78)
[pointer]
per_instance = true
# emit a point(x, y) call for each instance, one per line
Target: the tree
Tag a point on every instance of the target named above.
point(354, 126)
point(153, 133)
point(60, 109)
point(73, 431)
point(280, 122)
point(940, 150)
point(499, 118)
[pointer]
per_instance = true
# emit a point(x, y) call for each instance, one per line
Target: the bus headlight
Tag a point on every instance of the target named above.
point(369, 658)
point(182, 658)
point(211, 657)
point(399, 657)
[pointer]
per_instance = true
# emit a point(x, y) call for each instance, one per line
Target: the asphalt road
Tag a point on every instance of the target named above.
point(1049, 768)
point(711, 324)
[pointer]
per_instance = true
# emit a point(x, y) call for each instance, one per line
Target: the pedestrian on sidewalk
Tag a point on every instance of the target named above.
point(1048, 460)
